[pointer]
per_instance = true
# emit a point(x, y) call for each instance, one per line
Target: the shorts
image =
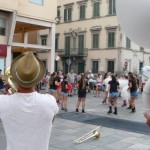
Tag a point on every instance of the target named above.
point(134, 94)
point(82, 94)
point(53, 90)
point(114, 94)
point(64, 94)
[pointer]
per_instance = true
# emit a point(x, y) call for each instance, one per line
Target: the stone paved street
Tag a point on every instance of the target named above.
point(125, 131)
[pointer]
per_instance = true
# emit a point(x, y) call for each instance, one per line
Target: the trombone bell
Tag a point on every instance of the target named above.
point(94, 133)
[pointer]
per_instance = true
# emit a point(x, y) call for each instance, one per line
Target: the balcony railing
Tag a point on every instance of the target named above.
point(72, 52)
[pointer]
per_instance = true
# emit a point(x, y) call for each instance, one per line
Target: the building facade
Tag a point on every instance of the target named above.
point(19, 22)
point(89, 37)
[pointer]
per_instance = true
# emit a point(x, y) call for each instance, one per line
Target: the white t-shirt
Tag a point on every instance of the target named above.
point(27, 120)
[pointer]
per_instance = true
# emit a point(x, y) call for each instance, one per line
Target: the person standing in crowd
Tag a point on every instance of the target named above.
point(105, 82)
point(113, 86)
point(64, 93)
point(58, 85)
point(125, 95)
point(26, 115)
point(90, 77)
point(2, 89)
point(82, 89)
point(53, 83)
point(98, 85)
point(133, 91)
point(47, 81)
point(72, 79)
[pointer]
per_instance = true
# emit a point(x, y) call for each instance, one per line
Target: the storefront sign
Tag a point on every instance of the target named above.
point(3, 50)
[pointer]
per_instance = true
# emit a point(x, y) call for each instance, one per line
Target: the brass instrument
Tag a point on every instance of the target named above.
point(94, 133)
point(8, 79)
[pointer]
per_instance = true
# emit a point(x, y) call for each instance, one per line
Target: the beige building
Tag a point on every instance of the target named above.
point(88, 37)
point(21, 18)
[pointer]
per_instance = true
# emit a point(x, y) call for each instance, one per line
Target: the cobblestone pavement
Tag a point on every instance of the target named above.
point(125, 131)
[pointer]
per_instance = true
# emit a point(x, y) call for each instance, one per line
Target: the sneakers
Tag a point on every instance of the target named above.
point(109, 112)
point(65, 109)
point(115, 112)
point(123, 105)
point(104, 101)
point(77, 110)
point(83, 111)
point(133, 110)
point(129, 107)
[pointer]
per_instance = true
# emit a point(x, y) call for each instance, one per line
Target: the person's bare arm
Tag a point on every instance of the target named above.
point(148, 119)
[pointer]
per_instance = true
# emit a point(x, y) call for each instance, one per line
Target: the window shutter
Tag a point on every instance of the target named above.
point(69, 14)
point(110, 6)
point(65, 14)
point(114, 6)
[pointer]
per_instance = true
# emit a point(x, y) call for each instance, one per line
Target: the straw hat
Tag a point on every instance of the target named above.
point(27, 70)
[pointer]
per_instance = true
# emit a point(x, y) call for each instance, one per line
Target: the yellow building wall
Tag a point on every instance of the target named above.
point(46, 12)
point(9, 5)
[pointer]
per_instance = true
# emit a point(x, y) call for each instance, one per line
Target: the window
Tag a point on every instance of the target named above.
point(2, 27)
point(128, 43)
point(58, 12)
point(67, 14)
point(95, 42)
point(82, 12)
point(56, 42)
point(112, 7)
point(67, 45)
point(43, 39)
point(141, 48)
point(81, 44)
point(110, 67)
point(140, 66)
point(95, 66)
point(96, 9)
point(37, 1)
point(111, 39)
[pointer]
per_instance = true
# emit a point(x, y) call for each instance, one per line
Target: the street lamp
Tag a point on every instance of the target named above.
point(58, 19)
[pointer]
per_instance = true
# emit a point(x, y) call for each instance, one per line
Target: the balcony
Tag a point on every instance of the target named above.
point(72, 52)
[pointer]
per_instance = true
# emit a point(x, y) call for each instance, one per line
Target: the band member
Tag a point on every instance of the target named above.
point(26, 115)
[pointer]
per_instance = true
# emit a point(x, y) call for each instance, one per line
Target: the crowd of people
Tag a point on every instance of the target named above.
point(62, 86)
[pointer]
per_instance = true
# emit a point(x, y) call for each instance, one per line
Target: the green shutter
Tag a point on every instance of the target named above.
point(110, 6)
point(58, 13)
point(67, 45)
point(96, 9)
point(95, 40)
point(114, 6)
point(65, 14)
point(111, 39)
point(69, 14)
point(81, 43)
point(82, 12)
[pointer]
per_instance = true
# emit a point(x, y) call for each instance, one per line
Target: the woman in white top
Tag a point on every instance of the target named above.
point(98, 85)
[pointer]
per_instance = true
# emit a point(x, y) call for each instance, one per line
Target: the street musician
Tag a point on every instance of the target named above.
point(26, 115)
